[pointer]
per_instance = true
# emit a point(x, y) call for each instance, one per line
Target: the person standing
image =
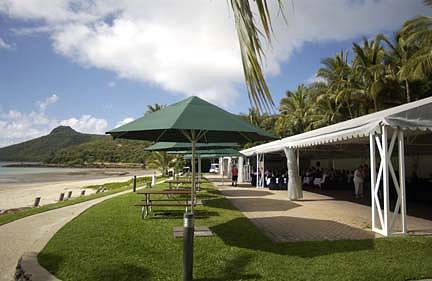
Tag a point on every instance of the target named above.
point(234, 174)
point(358, 182)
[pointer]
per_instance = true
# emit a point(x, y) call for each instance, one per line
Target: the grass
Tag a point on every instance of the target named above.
point(111, 189)
point(110, 242)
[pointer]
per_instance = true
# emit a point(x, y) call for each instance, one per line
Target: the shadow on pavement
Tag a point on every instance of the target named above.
point(263, 204)
point(240, 232)
point(245, 193)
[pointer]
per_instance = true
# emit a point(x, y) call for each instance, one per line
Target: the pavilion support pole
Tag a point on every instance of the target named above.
point(386, 159)
point(401, 146)
point(373, 176)
point(257, 170)
point(240, 167)
point(199, 173)
point(294, 182)
point(263, 171)
point(193, 171)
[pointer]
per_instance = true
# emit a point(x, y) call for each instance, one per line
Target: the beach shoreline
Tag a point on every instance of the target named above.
point(18, 191)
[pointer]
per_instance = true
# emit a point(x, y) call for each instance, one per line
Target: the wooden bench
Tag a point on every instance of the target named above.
point(146, 207)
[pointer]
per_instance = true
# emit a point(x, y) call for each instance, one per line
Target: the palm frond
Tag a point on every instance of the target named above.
point(251, 50)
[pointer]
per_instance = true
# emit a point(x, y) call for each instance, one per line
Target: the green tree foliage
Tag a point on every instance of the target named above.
point(380, 73)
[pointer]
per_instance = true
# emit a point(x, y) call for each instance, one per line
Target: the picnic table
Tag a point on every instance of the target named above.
point(148, 203)
point(177, 182)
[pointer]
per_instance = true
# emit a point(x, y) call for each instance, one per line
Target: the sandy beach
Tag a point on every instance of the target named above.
point(21, 191)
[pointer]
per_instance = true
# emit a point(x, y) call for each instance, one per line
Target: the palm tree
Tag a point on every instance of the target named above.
point(162, 161)
point(155, 107)
point(294, 112)
point(417, 36)
point(337, 73)
point(369, 65)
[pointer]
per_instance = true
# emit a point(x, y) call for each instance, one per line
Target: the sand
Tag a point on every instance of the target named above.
point(49, 186)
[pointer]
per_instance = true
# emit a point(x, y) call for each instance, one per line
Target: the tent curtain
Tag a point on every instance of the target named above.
point(294, 182)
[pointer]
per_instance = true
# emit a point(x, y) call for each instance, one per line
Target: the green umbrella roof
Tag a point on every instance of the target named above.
point(167, 124)
point(224, 151)
point(214, 153)
point(182, 146)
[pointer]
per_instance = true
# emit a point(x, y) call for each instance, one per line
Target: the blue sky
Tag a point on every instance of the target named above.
point(93, 67)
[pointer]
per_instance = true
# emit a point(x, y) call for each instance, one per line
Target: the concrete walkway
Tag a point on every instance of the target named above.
point(31, 234)
point(315, 217)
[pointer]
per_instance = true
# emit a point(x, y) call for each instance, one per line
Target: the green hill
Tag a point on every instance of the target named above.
point(64, 145)
point(103, 150)
point(38, 150)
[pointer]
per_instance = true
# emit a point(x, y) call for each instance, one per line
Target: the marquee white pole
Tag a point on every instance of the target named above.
point(401, 146)
point(257, 170)
point(373, 176)
point(384, 144)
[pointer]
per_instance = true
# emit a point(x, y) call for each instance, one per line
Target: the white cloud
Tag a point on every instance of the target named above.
point(4, 45)
point(111, 84)
point(17, 126)
point(124, 121)
point(47, 102)
point(315, 79)
point(190, 47)
point(86, 124)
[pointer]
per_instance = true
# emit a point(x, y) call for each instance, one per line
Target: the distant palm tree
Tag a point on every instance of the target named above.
point(294, 112)
point(162, 161)
point(155, 107)
point(369, 65)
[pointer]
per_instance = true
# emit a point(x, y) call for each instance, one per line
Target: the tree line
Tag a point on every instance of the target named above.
point(376, 74)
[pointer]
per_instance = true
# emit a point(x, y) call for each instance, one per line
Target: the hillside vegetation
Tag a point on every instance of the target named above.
point(67, 146)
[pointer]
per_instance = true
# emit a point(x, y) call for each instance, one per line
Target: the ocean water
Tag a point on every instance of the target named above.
point(6, 171)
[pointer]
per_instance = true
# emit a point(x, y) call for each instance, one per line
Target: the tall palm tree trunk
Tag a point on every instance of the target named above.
point(407, 90)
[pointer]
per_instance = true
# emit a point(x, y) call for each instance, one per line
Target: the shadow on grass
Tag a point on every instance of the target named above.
point(176, 214)
point(233, 270)
point(240, 232)
point(50, 262)
point(108, 272)
point(120, 272)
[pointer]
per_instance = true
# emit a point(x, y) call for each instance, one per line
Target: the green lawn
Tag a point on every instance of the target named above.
point(110, 187)
point(111, 242)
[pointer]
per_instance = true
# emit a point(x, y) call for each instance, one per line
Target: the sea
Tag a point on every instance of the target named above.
point(7, 171)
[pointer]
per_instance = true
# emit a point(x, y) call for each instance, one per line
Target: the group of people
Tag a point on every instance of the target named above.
point(273, 179)
point(361, 177)
point(339, 177)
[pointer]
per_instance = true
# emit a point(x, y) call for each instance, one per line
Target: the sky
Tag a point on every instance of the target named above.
point(94, 65)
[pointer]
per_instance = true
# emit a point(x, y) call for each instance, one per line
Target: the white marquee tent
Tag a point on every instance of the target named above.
point(383, 130)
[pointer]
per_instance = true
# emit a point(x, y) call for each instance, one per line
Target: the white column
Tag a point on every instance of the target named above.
point(229, 166)
point(386, 184)
point(263, 170)
point(401, 145)
point(372, 176)
point(199, 172)
point(221, 166)
point(240, 169)
point(257, 170)
point(294, 181)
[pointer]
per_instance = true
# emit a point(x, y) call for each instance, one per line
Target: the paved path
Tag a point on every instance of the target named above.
point(315, 217)
point(31, 234)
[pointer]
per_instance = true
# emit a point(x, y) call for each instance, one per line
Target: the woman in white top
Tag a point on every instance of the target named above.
point(358, 182)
